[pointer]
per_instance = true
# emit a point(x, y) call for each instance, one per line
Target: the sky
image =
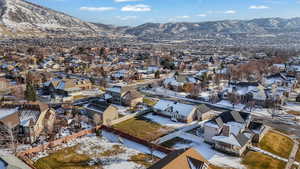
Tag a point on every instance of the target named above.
point(136, 12)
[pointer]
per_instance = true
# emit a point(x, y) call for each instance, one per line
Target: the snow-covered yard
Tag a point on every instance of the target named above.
point(164, 121)
point(227, 104)
point(216, 158)
point(93, 151)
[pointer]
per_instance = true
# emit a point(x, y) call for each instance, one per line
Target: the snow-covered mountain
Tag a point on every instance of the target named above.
point(226, 28)
point(19, 18)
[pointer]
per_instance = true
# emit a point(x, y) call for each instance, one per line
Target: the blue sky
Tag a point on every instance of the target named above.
point(135, 12)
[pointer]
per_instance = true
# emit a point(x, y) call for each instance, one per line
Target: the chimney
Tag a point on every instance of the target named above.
point(226, 130)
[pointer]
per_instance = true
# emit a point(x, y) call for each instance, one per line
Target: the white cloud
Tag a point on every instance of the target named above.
point(136, 8)
point(230, 12)
point(97, 8)
point(125, 18)
point(127, 0)
point(202, 15)
point(258, 7)
point(183, 17)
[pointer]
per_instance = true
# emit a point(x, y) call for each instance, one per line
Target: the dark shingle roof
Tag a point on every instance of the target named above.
point(165, 161)
point(227, 116)
point(242, 139)
point(194, 163)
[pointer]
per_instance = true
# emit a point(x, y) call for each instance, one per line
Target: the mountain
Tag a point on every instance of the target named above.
point(19, 18)
point(227, 28)
point(22, 19)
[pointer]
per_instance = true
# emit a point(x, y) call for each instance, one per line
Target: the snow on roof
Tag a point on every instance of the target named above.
point(7, 112)
point(172, 81)
point(27, 115)
point(61, 85)
point(114, 89)
point(230, 140)
point(235, 127)
point(182, 109)
point(211, 124)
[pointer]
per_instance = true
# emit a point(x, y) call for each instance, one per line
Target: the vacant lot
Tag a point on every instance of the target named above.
point(255, 160)
point(142, 128)
point(276, 143)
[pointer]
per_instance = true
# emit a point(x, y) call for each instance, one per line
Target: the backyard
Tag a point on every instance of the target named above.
point(256, 160)
point(91, 152)
point(277, 144)
point(143, 128)
point(177, 142)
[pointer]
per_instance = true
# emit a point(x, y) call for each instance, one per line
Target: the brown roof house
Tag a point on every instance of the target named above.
point(124, 95)
point(182, 159)
point(27, 119)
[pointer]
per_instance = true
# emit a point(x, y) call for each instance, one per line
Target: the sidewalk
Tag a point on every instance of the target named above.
point(292, 156)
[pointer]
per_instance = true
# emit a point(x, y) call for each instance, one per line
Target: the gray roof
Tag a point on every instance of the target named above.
point(12, 162)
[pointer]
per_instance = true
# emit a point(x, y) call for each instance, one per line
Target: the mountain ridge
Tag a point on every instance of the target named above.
point(23, 19)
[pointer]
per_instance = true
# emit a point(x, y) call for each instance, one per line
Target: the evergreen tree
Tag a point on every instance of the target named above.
point(157, 74)
point(30, 93)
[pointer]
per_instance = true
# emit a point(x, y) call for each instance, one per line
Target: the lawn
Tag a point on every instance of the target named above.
point(276, 143)
point(256, 160)
point(293, 112)
point(142, 128)
point(177, 140)
point(65, 159)
point(92, 152)
point(144, 159)
point(297, 158)
point(149, 101)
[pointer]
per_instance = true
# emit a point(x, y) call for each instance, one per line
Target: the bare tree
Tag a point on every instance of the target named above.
point(234, 99)
point(96, 119)
point(273, 107)
point(8, 136)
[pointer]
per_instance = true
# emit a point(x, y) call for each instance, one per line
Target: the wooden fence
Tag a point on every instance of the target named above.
point(25, 154)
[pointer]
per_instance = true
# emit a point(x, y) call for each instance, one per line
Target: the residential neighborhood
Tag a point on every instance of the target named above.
point(209, 113)
point(158, 86)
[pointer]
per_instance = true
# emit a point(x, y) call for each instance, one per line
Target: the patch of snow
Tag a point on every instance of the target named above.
point(164, 121)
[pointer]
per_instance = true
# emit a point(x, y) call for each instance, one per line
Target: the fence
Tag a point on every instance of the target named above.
point(137, 140)
point(127, 117)
point(24, 155)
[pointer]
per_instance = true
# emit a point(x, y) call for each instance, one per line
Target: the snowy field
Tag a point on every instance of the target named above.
point(94, 147)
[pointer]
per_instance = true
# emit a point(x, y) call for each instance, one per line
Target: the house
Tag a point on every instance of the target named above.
point(132, 98)
point(182, 159)
point(101, 107)
point(121, 74)
point(96, 107)
point(248, 91)
point(8, 161)
point(207, 113)
point(28, 120)
point(66, 87)
point(110, 114)
point(259, 130)
point(231, 132)
point(177, 82)
point(177, 111)
point(123, 95)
